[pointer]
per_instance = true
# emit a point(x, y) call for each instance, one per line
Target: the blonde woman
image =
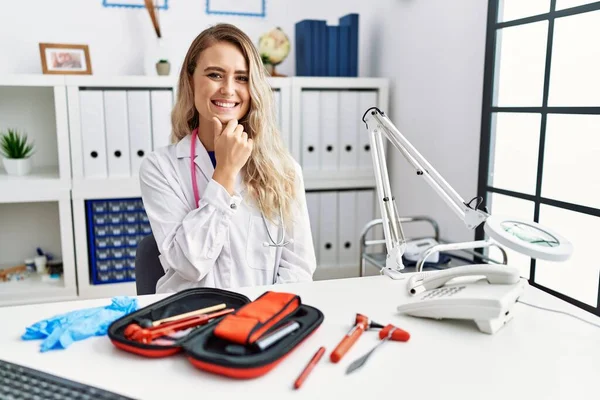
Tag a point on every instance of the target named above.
point(226, 201)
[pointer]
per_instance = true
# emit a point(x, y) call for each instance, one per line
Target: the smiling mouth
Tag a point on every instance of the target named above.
point(226, 105)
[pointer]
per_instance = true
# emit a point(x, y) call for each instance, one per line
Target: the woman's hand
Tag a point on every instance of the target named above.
point(232, 151)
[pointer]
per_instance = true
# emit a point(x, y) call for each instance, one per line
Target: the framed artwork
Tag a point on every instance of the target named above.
point(63, 59)
point(160, 4)
point(245, 8)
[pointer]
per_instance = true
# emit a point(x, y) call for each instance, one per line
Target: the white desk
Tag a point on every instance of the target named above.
point(538, 355)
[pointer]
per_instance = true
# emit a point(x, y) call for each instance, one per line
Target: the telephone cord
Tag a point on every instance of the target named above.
point(559, 312)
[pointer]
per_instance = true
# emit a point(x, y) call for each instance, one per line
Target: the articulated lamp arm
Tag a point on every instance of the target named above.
point(379, 125)
point(523, 236)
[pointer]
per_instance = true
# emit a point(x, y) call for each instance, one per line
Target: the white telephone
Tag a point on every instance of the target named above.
point(484, 293)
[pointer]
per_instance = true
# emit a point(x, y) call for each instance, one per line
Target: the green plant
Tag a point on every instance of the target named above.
point(163, 61)
point(14, 145)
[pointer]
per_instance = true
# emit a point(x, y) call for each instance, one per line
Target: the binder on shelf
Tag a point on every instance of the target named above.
point(365, 205)
point(117, 133)
point(351, 128)
point(93, 134)
point(348, 228)
point(277, 101)
point(366, 99)
point(303, 39)
point(333, 51)
point(140, 127)
point(310, 130)
point(328, 232)
point(351, 21)
point(323, 50)
point(329, 128)
point(313, 206)
point(161, 105)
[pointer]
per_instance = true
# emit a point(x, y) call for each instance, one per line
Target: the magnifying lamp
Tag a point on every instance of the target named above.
point(526, 237)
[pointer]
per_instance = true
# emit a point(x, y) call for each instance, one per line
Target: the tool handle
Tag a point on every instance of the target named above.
point(345, 344)
point(150, 335)
point(309, 367)
point(201, 311)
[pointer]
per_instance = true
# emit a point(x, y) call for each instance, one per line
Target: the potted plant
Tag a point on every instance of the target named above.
point(16, 152)
point(163, 67)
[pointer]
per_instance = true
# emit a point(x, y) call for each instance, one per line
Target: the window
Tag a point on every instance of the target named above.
point(540, 136)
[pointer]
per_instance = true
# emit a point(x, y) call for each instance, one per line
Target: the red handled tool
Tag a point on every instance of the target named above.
point(309, 367)
point(361, 323)
point(146, 335)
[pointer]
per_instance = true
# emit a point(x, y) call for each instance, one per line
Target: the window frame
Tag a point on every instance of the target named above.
point(488, 110)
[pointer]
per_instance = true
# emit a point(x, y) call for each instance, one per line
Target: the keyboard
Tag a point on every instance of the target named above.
point(23, 383)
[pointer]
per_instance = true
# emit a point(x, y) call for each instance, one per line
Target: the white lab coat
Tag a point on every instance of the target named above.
point(220, 242)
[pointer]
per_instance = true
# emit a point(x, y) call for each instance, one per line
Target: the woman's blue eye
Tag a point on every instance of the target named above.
point(214, 75)
point(243, 78)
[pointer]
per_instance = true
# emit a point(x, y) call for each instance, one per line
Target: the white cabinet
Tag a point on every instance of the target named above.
point(93, 132)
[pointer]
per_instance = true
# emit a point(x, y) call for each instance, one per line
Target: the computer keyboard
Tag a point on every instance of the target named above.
point(23, 383)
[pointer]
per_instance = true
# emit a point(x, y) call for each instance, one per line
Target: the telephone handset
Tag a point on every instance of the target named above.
point(484, 293)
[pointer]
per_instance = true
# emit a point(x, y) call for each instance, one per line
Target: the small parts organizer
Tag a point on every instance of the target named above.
point(115, 227)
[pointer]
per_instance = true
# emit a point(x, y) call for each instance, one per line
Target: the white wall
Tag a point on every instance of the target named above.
point(119, 38)
point(432, 50)
point(434, 53)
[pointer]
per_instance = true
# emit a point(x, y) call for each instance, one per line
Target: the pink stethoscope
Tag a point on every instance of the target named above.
point(280, 243)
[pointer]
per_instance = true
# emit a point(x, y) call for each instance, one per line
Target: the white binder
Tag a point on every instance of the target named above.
point(366, 100)
point(162, 105)
point(348, 229)
point(365, 206)
point(310, 130)
point(277, 101)
point(350, 123)
point(140, 127)
point(313, 206)
point(117, 133)
point(329, 117)
point(328, 234)
point(93, 135)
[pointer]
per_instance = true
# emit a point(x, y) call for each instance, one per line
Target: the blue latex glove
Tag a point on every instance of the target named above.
point(61, 331)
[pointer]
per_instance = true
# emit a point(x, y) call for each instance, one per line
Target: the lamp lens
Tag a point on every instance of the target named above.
point(530, 234)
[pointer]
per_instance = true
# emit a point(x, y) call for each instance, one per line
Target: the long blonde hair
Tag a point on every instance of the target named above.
point(269, 173)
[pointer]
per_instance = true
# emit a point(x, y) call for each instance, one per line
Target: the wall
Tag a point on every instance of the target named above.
point(434, 53)
point(432, 50)
point(120, 38)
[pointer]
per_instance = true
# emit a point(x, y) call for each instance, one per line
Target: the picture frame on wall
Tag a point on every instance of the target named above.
point(246, 8)
point(158, 4)
point(70, 59)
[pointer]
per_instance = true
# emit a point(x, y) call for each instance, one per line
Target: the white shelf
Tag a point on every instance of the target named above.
point(326, 82)
point(42, 184)
point(128, 81)
point(321, 180)
point(107, 188)
point(32, 80)
point(35, 290)
point(107, 290)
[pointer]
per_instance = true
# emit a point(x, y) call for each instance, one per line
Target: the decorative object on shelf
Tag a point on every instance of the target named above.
point(160, 4)
point(16, 152)
point(246, 8)
point(149, 4)
point(323, 50)
point(274, 47)
point(163, 67)
point(69, 59)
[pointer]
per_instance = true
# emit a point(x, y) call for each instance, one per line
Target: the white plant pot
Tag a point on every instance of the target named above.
point(17, 166)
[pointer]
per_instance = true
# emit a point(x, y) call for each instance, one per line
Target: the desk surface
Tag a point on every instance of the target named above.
point(538, 355)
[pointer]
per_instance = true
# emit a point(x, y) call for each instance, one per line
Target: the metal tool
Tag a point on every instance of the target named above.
point(362, 360)
point(361, 323)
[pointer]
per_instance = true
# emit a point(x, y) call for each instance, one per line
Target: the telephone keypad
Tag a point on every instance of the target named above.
point(442, 292)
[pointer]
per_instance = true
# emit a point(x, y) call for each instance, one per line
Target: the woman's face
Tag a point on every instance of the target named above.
point(221, 83)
